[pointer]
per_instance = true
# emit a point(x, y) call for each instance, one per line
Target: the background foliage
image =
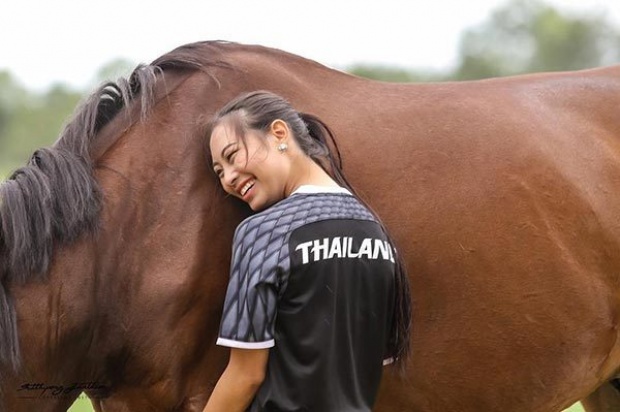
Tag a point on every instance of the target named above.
point(522, 36)
point(30, 119)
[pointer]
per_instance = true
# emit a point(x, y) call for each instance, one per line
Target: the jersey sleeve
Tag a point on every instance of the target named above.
point(248, 319)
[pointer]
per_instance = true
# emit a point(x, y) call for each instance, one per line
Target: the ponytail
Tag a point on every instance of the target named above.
point(331, 161)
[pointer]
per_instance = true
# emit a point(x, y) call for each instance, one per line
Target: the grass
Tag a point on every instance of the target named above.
point(83, 405)
point(575, 408)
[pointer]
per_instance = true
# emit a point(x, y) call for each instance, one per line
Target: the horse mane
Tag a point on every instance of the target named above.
point(55, 198)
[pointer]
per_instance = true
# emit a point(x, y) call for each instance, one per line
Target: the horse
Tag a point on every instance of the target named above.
point(501, 194)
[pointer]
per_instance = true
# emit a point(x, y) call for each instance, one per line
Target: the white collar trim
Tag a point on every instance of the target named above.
point(305, 189)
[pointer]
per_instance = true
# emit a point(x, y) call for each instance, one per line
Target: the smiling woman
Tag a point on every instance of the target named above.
point(259, 139)
point(319, 295)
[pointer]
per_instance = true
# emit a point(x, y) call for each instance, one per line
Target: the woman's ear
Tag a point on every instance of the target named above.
point(279, 129)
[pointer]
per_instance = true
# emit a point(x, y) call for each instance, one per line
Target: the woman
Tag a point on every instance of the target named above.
point(317, 299)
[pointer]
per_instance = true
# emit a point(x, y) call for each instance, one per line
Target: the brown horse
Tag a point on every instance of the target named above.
point(503, 195)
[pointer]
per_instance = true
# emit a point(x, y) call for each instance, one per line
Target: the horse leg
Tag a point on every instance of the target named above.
point(129, 400)
point(605, 399)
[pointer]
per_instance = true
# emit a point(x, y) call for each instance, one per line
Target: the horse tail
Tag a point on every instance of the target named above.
point(9, 341)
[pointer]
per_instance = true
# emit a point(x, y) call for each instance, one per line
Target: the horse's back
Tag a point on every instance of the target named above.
point(503, 195)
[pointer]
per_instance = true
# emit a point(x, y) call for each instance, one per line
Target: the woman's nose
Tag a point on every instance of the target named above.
point(230, 178)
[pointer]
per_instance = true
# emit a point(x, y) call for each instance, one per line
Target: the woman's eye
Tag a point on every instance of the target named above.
point(231, 156)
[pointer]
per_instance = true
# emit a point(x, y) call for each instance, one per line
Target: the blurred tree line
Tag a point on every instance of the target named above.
point(521, 36)
point(31, 119)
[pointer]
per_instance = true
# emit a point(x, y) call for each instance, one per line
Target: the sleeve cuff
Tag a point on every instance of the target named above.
point(245, 345)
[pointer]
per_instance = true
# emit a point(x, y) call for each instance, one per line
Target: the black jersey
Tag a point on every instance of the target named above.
point(312, 278)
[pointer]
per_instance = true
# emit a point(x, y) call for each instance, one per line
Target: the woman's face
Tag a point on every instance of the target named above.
point(255, 172)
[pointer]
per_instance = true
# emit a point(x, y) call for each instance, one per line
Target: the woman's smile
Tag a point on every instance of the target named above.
point(246, 187)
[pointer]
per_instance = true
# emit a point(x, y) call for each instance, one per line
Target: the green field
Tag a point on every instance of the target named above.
point(575, 408)
point(83, 405)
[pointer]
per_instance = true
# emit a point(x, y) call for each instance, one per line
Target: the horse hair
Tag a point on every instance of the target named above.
point(55, 198)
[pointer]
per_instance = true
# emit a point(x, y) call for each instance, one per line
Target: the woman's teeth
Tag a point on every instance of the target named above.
point(246, 187)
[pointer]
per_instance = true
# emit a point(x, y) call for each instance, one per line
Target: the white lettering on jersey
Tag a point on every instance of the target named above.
point(342, 247)
point(320, 248)
point(336, 249)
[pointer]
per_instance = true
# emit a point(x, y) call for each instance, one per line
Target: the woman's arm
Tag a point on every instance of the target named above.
point(238, 384)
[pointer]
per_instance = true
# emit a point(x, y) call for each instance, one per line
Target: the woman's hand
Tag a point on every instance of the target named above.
point(238, 384)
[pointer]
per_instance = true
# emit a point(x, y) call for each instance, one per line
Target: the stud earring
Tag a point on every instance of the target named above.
point(282, 147)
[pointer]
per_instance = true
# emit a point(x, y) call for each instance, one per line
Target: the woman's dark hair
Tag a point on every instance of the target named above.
point(256, 111)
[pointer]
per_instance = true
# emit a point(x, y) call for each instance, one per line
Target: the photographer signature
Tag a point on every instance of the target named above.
point(44, 390)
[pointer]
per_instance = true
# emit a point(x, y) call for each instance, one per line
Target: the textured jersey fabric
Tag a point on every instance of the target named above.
point(312, 278)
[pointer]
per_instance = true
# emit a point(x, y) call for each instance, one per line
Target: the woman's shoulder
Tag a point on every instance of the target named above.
point(301, 208)
point(282, 211)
